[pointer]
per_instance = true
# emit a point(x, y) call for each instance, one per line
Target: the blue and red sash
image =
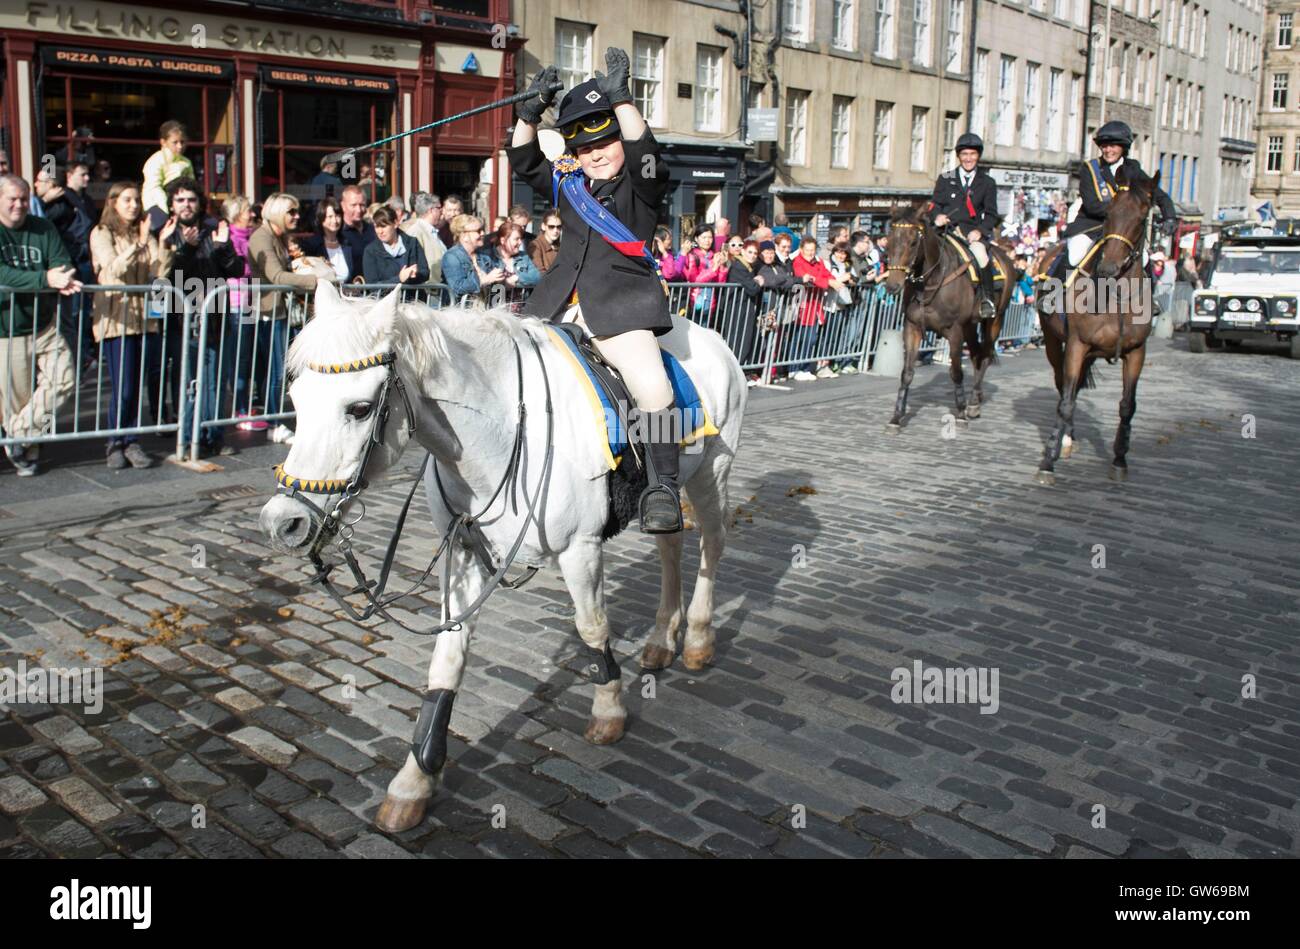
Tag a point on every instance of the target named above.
point(567, 178)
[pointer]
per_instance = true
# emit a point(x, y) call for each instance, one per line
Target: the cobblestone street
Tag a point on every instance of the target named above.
point(1148, 688)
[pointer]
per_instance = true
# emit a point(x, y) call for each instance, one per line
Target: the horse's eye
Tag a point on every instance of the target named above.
point(359, 410)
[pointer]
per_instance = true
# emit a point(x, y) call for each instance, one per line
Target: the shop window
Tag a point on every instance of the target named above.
point(115, 121)
point(298, 127)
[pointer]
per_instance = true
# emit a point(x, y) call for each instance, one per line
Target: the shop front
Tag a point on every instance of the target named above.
point(1033, 203)
point(262, 99)
point(819, 211)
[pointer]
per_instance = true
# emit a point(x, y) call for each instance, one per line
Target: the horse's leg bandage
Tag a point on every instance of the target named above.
point(607, 669)
point(429, 746)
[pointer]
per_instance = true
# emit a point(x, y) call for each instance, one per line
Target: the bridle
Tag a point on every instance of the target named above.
point(908, 268)
point(463, 528)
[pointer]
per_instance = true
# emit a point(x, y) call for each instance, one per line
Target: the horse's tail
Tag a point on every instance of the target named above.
point(1089, 375)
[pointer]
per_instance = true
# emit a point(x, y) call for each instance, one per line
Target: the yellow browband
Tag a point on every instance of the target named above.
point(355, 365)
point(1118, 237)
point(314, 485)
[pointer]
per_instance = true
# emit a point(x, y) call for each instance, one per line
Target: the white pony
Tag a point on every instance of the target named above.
point(456, 372)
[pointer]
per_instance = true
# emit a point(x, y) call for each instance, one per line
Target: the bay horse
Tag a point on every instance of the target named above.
point(1102, 312)
point(939, 296)
point(519, 473)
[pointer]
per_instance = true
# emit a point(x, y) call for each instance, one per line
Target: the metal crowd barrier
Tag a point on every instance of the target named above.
point(236, 375)
point(89, 388)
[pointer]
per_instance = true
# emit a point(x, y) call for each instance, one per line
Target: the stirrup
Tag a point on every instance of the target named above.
point(988, 309)
point(660, 509)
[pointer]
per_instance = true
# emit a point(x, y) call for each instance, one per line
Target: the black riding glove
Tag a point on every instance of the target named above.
point(615, 85)
point(1168, 227)
point(546, 82)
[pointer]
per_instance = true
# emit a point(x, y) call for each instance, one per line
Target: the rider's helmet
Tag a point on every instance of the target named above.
point(1114, 133)
point(969, 140)
point(585, 116)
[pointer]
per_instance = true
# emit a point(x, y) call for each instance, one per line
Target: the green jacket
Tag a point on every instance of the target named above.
point(25, 254)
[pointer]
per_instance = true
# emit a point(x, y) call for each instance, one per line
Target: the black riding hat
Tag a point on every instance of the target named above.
point(585, 116)
point(1114, 133)
point(969, 140)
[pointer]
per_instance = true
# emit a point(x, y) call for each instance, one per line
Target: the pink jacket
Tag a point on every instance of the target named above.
point(239, 296)
point(696, 264)
point(668, 266)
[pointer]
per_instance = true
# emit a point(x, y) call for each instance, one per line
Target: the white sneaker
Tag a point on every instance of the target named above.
point(282, 435)
point(849, 371)
point(826, 372)
point(803, 375)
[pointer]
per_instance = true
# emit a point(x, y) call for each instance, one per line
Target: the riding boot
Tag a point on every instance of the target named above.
point(660, 504)
point(988, 309)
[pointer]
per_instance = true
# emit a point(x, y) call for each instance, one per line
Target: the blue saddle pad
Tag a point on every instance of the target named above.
point(686, 398)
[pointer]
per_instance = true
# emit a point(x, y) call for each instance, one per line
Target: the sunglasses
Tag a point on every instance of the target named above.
point(582, 126)
point(553, 227)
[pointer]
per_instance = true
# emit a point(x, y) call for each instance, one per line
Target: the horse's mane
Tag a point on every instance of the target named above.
point(905, 213)
point(354, 328)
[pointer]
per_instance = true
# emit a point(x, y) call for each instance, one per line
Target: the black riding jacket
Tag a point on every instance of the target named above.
point(950, 199)
point(1097, 186)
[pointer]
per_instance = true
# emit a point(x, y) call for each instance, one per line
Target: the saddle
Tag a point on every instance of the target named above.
point(610, 399)
point(962, 248)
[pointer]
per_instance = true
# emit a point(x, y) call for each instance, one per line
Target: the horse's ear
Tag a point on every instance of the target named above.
point(326, 293)
point(386, 309)
point(1155, 180)
point(1121, 174)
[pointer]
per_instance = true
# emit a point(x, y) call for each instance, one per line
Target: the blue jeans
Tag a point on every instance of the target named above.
point(854, 320)
point(207, 397)
point(237, 363)
point(272, 340)
point(805, 341)
point(124, 356)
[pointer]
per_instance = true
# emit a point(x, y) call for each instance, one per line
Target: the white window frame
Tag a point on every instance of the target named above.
point(956, 26)
point(841, 132)
point(1029, 127)
point(1005, 128)
point(922, 39)
point(1272, 152)
point(576, 38)
point(882, 134)
point(1074, 134)
point(979, 100)
point(648, 77)
point(796, 126)
point(798, 20)
point(886, 28)
point(1055, 80)
point(844, 24)
point(1284, 23)
point(921, 122)
point(710, 105)
point(1280, 89)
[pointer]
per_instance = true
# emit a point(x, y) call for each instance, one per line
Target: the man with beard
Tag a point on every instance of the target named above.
point(197, 255)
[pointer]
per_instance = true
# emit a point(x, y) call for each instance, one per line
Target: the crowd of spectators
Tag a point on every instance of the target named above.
point(158, 226)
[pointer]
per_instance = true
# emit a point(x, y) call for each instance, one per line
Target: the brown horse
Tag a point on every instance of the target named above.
point(938, 295)
point(1107, 315)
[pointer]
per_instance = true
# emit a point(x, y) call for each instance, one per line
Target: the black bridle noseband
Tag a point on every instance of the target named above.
point(330, 526)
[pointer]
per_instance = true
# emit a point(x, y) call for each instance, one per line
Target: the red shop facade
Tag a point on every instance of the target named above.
point(264, 89)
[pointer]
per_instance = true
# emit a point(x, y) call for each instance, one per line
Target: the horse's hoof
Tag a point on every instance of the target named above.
point(396, 815)
point(972, 411)
point(697, 659)
point(1067, 447)
point(893, 428)
point(656, 657)
point(1118, 472)
point(1045, 477)
point(962, 421)
point(604, 731)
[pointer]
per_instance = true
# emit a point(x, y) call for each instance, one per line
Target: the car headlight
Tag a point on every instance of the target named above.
point(1284, 306)
point(1208, 304)
point(1252, 305)
point(1234, 304)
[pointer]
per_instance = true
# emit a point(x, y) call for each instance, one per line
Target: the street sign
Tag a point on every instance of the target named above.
point(762, 125)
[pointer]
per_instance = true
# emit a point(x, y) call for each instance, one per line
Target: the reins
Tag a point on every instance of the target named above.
point(463, 527)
